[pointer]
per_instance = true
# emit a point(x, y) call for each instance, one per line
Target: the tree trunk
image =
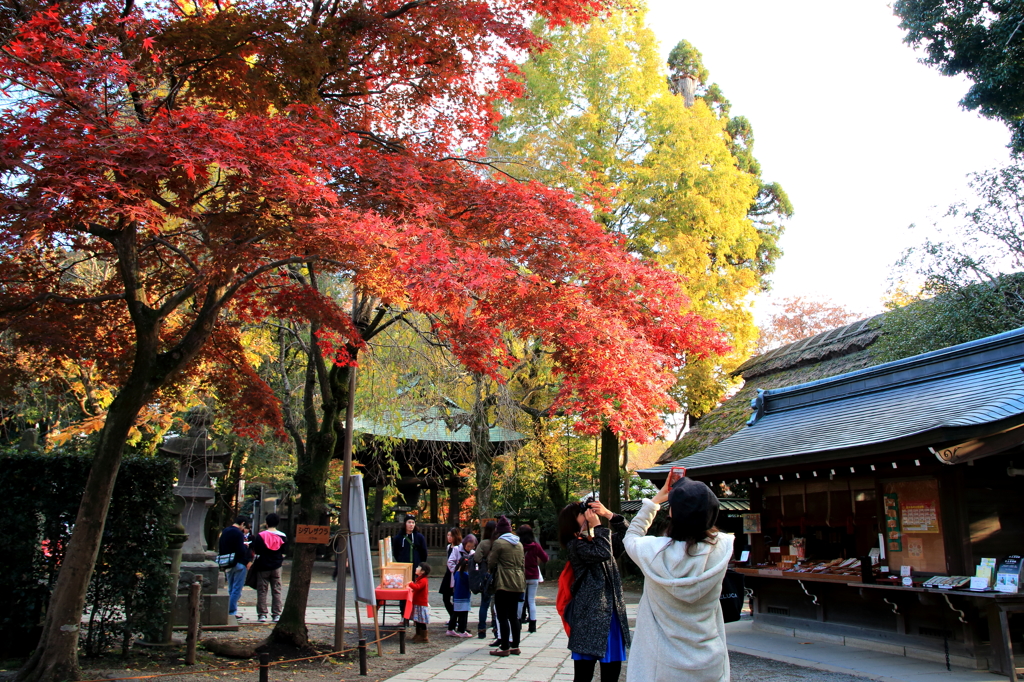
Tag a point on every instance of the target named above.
point(551, 470)
point(56, 656)
point(310, 483)
point(483, 455)
point(609, 488)
point(625, 470)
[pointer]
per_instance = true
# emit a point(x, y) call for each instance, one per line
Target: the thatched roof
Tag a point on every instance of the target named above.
point(837, 351)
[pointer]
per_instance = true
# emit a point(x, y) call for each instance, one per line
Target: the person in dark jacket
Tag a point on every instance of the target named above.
point(599, 629)
point(409, 546)
point(269, 546)
point(232, 541)
point(535, 555)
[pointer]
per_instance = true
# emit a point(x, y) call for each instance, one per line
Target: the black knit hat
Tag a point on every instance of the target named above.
point(690, 499)
point(504, 526)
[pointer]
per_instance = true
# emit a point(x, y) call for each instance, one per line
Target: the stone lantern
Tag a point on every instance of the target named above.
point(198, 458)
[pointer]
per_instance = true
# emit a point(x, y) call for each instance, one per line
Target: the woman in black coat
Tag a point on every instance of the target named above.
point(599, 629)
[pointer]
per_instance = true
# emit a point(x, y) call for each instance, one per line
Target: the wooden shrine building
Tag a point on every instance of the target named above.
point(422, 451)
point(874, 495)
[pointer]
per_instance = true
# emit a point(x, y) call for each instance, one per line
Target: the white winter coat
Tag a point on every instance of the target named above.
point(680, 633)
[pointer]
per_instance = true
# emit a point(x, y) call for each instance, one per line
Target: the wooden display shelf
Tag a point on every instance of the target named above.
point(791, 575)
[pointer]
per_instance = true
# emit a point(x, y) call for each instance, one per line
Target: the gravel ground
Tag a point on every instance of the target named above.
point(753, 669)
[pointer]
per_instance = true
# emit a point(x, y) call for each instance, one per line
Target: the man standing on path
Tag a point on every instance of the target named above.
point(269, 547)
point(232, 541)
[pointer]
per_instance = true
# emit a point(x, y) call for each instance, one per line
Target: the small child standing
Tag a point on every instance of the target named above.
point(420, 603)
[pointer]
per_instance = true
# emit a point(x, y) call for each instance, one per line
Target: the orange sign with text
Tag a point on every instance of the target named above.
point(315, 535)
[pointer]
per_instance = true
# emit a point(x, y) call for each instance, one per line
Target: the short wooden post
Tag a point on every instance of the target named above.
point(192, 637)
point(362, 657)
point(264, 667)
point(401, 641)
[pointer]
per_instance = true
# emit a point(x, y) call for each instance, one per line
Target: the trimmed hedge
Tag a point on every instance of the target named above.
point(128, 594)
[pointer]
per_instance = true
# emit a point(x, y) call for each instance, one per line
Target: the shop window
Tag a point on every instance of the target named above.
point(913, 523)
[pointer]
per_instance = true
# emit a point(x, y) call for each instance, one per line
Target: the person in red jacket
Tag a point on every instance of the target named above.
point(420, 603)
point(535, 555)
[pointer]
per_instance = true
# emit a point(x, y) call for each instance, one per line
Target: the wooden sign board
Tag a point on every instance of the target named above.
point(314, 535)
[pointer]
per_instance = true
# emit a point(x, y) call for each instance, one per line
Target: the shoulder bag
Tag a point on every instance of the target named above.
point(732, 595)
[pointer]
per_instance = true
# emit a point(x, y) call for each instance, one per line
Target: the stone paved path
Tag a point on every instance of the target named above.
point(544, 659)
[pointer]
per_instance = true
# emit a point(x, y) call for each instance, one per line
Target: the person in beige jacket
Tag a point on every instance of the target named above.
point(680, 632)
point(507, 563)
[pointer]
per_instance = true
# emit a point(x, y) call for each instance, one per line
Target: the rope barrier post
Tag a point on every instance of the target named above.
point(193, 623)
point(401, 641)
point(362, 657)
point(264, 667)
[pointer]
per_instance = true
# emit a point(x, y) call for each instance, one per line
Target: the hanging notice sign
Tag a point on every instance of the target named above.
point(316, 535)
point(893, 531)
point(919, 517)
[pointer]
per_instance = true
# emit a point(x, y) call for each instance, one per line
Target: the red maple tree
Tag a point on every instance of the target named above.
point(201, 148)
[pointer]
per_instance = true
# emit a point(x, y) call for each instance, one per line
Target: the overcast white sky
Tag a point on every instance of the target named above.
point(864, 138)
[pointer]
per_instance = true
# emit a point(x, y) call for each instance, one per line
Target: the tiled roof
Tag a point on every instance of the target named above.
point(726, 504)
point(431, 424)
point(968, 390)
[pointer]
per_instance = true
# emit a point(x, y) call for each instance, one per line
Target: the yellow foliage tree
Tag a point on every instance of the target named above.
point(600, 120)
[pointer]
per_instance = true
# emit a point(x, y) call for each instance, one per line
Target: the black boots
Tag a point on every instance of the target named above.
point(533, 626)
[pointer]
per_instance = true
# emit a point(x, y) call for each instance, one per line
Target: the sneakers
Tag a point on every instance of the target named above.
point(451, 633)
point(464, 634)
point(262, 618)
point(276, 618)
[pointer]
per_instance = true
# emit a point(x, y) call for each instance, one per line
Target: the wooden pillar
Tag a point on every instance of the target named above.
point(433, 505)
point(378, 504)
point(454, 503)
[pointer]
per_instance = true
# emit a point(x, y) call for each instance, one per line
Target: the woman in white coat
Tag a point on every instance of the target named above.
point(680, 633)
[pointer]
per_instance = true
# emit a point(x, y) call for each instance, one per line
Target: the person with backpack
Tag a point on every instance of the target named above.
point(595, 612)
point(506, 561)
point(680, 631)
point(482, 576)
point(232, 541)
point(270, 547)
point(535, 555)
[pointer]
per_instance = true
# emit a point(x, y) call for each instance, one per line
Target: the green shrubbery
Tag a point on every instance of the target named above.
point(129, 589)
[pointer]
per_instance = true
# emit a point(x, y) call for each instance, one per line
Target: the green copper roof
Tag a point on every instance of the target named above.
point(432, 424)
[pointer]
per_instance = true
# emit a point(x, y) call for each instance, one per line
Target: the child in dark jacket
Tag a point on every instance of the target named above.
point(534, 556)
point(420, 603)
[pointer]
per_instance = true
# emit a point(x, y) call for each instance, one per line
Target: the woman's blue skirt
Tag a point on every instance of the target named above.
point(616, 648)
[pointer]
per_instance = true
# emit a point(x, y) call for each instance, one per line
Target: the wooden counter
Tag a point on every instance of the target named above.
point(902, 616)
